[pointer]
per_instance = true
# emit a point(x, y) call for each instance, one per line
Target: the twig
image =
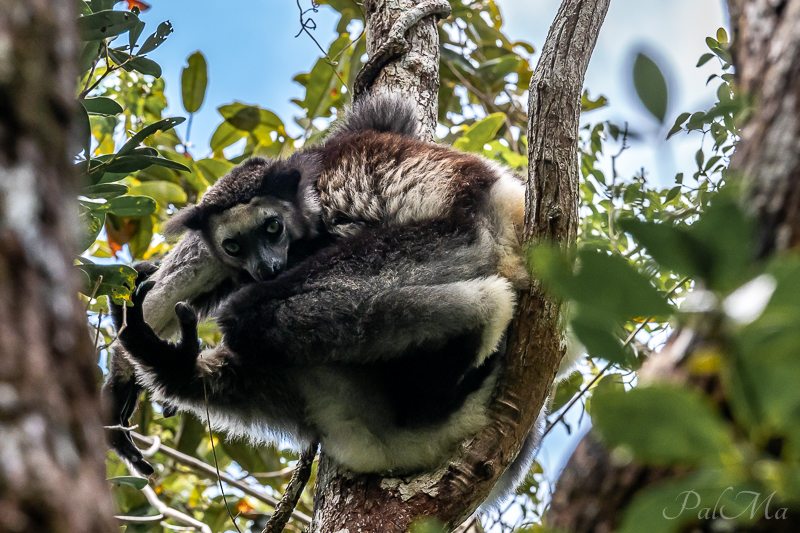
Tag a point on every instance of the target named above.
point(396, 44)
point(97, 330)
point(278, 473)
point(624, 147)
point(293, 491)
point(120, 427)
point(307, 24)
point(141, 519)
point(205, 468)
point(94, 291)
point(169, 512)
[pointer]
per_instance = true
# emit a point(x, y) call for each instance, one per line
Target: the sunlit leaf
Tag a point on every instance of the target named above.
point(480, 133)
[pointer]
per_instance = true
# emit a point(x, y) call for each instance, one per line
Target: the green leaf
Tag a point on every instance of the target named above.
point(105, 24)
point(127, 206)
point(662, 425)
point(722, 36)
point(224, 136)
point(90, 229)
point(133, 163)
point(156, 39)
point(683, 117)
point(566, 390)
point(495, 70)
point(727, 235)
point(670, 506)
point(133, 35)
point(606, 286)
point(137, 483)
point(101, 106)
point(213, 169)
point(194, 80)
point(594, 333)
point(162, 125)
point(673, 247)
point(246, 119)
point(672, 194)
point(89, 53)
point(480, 133)
point(102, 5)
point(140, 241)
point(84, 130)
point(650, 85)
point(587, 104)
point(117, 282)
point(105, 191)
point(321, 81)
point(163, 192)
point(705, 58)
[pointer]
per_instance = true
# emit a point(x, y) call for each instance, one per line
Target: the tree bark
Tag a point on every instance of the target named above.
point(766, 58)
point(766, 54)
point(416, 74)
point(453, 493)
point(51, 443)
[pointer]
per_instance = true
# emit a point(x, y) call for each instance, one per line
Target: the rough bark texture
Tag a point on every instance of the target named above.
point(593, 492)
point(766, 55)
point(372, 504)
point(416, 74)
point(52, 474)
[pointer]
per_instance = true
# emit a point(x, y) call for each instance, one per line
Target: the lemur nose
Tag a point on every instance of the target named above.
point(265, 272)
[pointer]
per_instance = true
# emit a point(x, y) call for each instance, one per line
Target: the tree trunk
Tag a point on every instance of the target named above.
point(451, 494)
point(416, 74)
point(592, 493)
point(51, 442)
point(766, 54)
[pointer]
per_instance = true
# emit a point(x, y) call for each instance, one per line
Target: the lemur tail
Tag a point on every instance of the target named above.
point(381, 113)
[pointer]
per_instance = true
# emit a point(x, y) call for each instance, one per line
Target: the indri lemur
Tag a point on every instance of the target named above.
point(382, 340)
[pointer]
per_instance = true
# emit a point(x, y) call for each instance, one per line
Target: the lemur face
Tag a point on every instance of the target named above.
point(254, 237)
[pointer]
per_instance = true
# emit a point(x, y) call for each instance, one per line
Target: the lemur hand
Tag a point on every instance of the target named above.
point(142, 343)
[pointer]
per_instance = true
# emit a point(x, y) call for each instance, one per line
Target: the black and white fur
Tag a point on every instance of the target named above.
point(438, 310)
point(383, 347)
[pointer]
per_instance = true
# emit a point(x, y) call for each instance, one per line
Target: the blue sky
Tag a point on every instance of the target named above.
point(253, 55)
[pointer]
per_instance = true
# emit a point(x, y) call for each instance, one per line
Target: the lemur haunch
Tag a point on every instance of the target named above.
point(388, 330)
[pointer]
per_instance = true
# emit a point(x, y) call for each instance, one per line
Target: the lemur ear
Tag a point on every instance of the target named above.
point(283, 184)
point(188, 218)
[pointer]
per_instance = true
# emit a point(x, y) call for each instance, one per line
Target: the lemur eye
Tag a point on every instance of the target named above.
point(231, 247)
point(273, 226)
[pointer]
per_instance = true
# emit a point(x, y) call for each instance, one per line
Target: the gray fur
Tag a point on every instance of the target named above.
point(381, 114)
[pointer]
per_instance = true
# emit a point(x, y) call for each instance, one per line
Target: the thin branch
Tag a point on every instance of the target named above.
point(307, 24)
point(293, 491)
point(204, 468)
point(141, 519)
point(169, 512)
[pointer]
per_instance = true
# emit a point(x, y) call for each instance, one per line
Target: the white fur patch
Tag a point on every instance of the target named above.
point(362, 445)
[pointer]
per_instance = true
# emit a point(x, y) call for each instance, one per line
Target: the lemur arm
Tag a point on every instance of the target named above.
point(170, 368)
point(187, 273)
